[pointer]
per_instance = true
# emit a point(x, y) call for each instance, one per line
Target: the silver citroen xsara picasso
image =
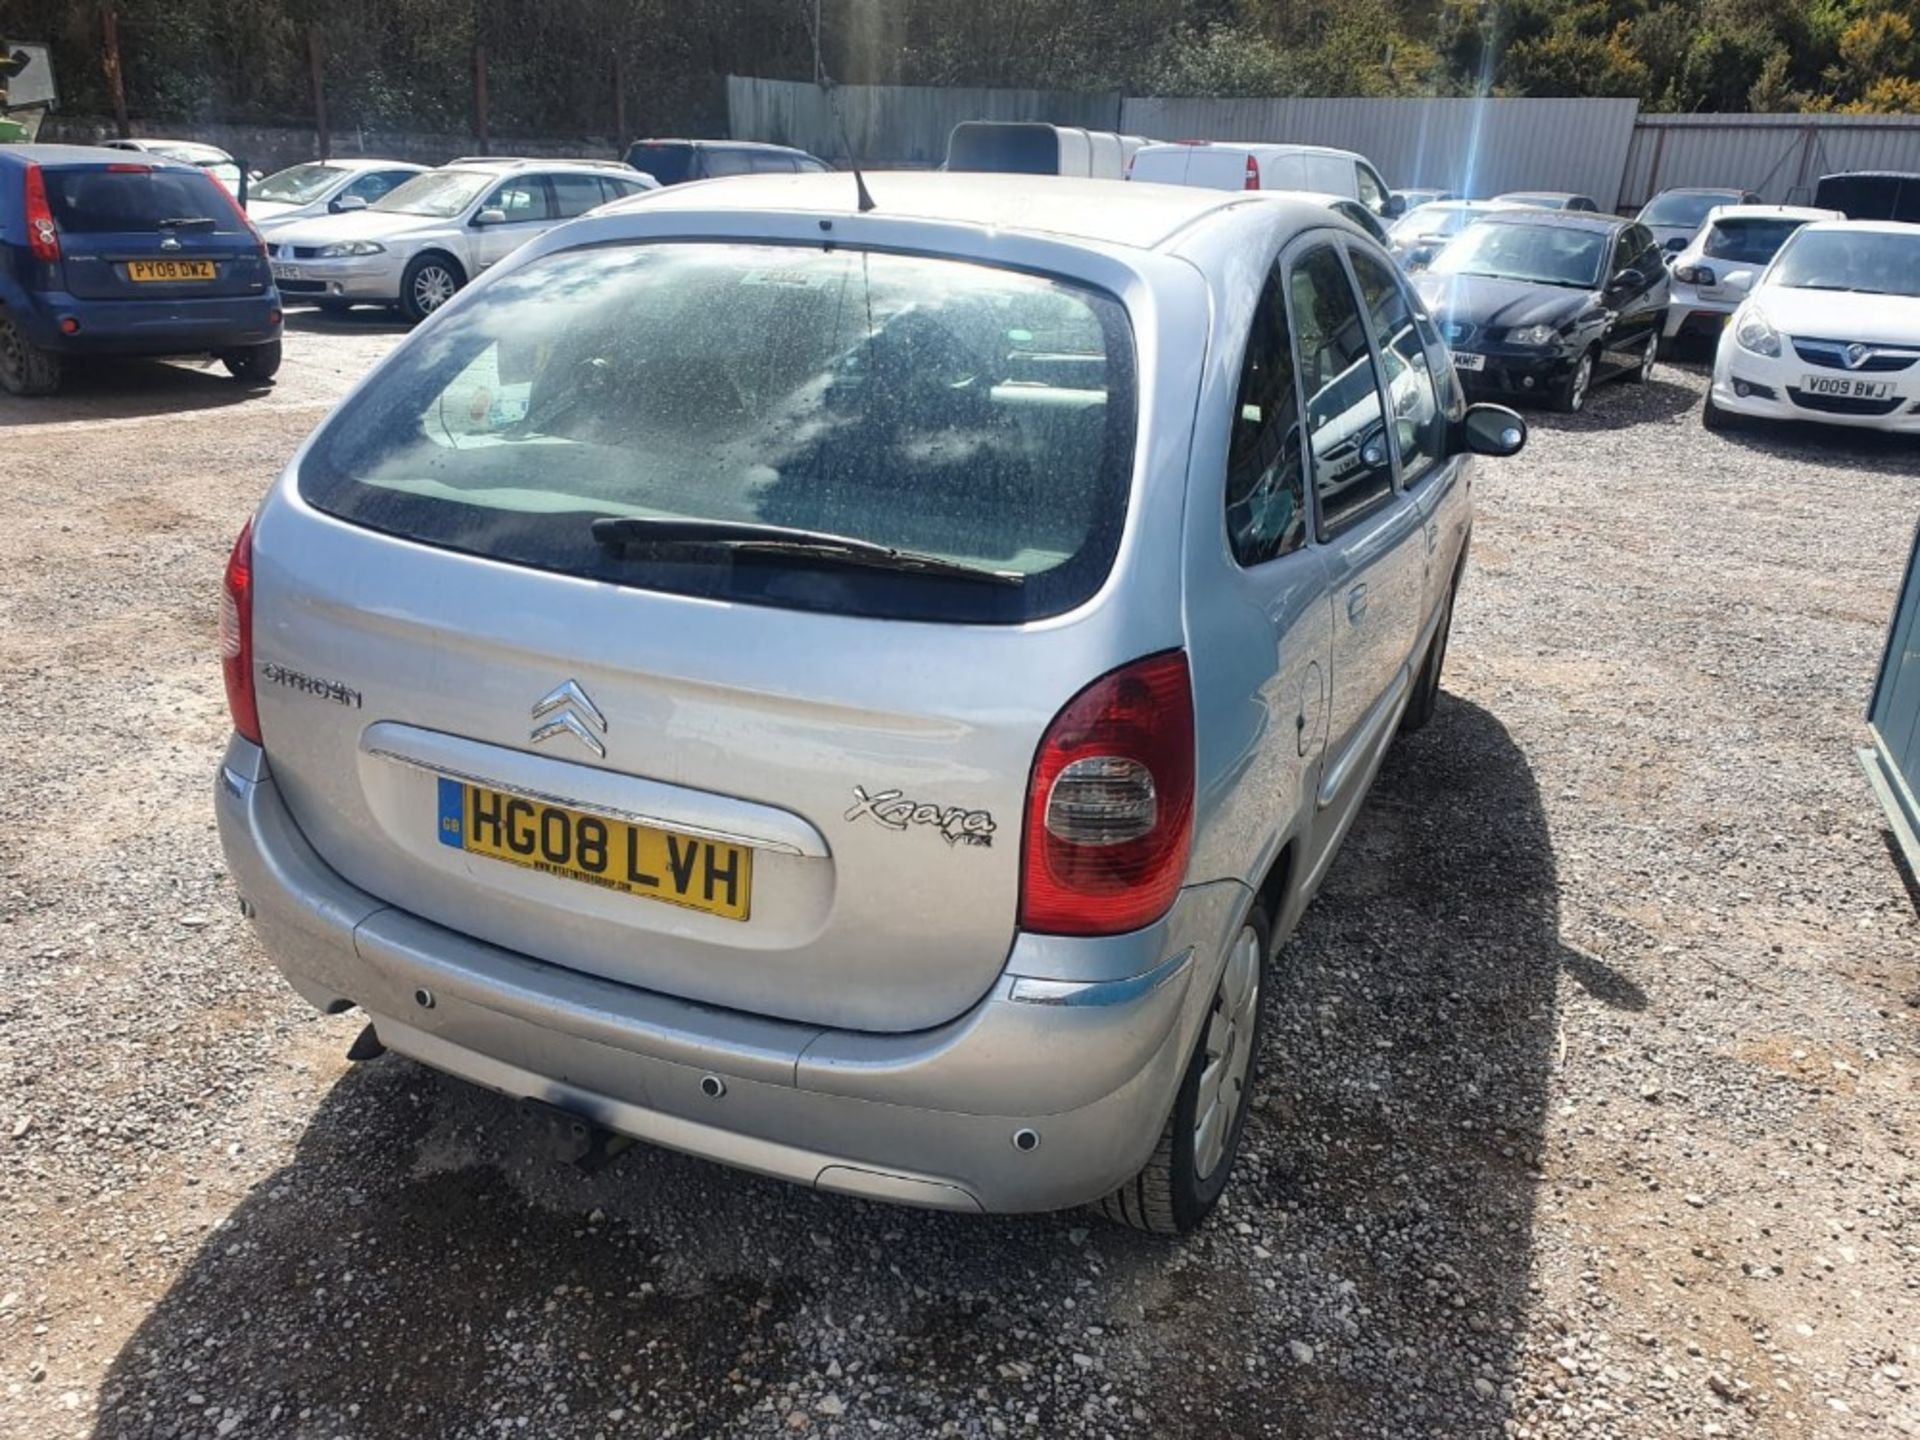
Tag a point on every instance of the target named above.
point(855, 694)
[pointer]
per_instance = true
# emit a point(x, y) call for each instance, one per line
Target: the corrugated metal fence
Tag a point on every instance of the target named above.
point(894, 125)
point(1603, 148)
point(1477, 147)
point(1780, 156)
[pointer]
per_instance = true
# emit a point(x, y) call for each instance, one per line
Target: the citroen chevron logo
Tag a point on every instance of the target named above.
point(566, 710)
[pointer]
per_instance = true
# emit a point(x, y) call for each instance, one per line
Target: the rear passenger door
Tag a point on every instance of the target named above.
point(1372, 537)
point(1637, 308)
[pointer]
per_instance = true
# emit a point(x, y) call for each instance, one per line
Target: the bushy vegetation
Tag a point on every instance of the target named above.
point(552, 63)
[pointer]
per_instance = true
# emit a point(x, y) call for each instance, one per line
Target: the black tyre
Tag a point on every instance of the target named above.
point(1718, 420)
point(430, 281)
point(1643, 372)
point(254, 365)
point(1184, 1177)
point(1426, 685)
point(334, 309)
point(25, 368)
point(1569, 397)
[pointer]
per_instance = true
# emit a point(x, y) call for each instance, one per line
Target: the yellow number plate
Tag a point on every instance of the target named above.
point(705, 875)
point(170, 270)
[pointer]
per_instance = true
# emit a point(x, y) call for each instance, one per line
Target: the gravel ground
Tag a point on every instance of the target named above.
point(1589, 1085)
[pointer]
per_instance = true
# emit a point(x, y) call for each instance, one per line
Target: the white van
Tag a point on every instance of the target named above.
point(1236, 165)
point(1022, 147)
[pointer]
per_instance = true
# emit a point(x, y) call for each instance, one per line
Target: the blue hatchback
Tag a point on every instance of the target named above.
point(106, 254)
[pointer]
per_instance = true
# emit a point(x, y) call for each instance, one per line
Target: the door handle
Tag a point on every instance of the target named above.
point(1357, 603)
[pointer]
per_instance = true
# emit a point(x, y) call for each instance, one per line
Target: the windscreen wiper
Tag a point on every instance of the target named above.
point(186, 222)
point(638, 532)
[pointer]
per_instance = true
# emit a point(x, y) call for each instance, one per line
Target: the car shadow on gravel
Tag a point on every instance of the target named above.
point(415, 1271)
point(361, 320)
point(1616, 405)
point(129, 389)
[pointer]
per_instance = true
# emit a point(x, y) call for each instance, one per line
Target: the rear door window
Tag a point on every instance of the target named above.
point(1266, 487)
point(1352, 461)
point(722, 161)
point(772, 162)
point(974, 416)
point(669, 164)
point(102, 201)
point(576, 194)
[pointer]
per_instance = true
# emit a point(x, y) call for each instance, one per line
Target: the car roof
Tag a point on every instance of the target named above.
point(1876, 227)
point(363, 162)
point(1129, 213)
point(1570, 219)
point(509, 164)
point(1700, 190)
point(725, 145)
point(1771, 212)
point(1255, 147)
point(78, 155)
point(1549, 194)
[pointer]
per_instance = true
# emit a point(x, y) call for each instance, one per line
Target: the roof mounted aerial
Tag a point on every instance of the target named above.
point(825, 82)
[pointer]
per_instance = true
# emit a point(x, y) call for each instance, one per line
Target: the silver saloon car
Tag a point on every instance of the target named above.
point(857, 694)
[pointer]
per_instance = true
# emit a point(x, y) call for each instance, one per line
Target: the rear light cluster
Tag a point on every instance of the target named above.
point(1110, 806)
point(1253, 173)
point(236, 636)
point(1695, 275)
point(43, 236)
point(246, 220)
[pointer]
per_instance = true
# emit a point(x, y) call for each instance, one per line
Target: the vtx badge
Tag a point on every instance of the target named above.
point(566, 710)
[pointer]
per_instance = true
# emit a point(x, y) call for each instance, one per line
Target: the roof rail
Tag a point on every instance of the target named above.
point(536, 160)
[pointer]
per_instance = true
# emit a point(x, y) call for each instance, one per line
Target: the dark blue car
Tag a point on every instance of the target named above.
point(103, 253)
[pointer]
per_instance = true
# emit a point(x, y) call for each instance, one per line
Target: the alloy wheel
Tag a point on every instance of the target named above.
point(432, 288)
point(1229, 1048)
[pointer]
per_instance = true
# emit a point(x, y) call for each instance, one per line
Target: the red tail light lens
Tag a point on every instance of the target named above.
point(236, 636)
point(43, 236)
point(1253, 173)
point(1110, 808)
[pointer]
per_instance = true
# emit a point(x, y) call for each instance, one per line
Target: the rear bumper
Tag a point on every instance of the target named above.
point(929, 1118)
point(151, 327)
point(1691, 317)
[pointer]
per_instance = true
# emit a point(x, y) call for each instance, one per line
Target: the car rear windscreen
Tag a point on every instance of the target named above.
point(98, 200)
point(669, 164)
point(1751, 241)
point(976, 417)
point(1011, 149)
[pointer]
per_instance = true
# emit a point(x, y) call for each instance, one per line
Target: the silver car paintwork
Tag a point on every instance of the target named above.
point(880, 1027)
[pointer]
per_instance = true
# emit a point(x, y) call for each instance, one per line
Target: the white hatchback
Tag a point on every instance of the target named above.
point(1830, 333)
point(420, 243)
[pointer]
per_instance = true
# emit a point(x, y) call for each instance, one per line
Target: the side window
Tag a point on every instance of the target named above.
point(375, 183)
point(576, 194)
point(1266, 491)
point(613, 189)
point(1373, 194)
point(807, 165)
point(1329, 173)
point(772, 163)
point(522, 198)
point(722, 161)
point(1352, 466)
point(1419, 425)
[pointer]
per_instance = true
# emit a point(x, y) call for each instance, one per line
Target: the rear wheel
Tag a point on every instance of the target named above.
point(25, 368)
point(1184, 1177)
point(254, 365)
point(431, 280)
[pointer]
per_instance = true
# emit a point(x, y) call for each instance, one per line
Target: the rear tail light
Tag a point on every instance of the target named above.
point(259, 240)
point(1110, 807)
point(43, 236)
point(236, 636)
point(1253, 173)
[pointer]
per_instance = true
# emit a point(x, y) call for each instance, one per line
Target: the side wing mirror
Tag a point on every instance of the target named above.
point(1396, 206)
point(348, 202)
point(1626, 281)
point(1489, 430)
point(491, 217)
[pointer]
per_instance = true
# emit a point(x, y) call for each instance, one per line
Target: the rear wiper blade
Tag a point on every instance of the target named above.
point(187, 222)
point(637, 532)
